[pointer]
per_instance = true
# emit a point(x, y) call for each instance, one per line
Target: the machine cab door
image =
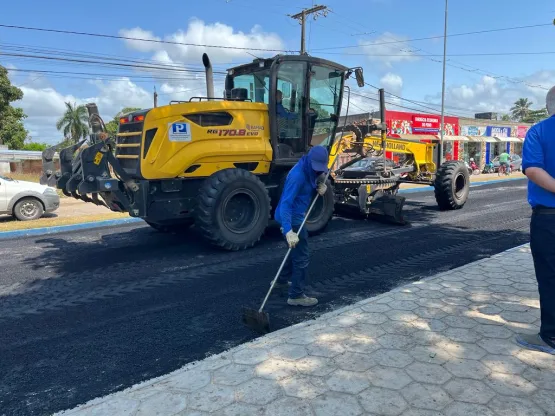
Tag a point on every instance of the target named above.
point(288, 110)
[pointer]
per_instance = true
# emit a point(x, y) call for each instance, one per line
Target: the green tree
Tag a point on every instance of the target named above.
point(505, 117)
point(34, 146)
point(74, 123)
point(520, 109)
point(535, 116)
point(12, 131)
point(112, 125)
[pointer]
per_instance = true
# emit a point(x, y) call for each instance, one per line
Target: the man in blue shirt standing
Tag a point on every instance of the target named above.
point(538, 163)
point(293, 205)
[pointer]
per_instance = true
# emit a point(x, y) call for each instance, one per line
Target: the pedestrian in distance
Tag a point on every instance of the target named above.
point(293, 205)
point(538, 163)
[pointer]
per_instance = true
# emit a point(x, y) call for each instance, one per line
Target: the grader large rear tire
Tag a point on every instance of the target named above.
point(233, 209)
point(452, 185)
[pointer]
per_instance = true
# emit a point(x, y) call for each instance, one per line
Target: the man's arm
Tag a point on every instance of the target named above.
point(533, 162)
point(290, 191)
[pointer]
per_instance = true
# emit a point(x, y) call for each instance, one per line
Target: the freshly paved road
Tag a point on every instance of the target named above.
point(89, 313)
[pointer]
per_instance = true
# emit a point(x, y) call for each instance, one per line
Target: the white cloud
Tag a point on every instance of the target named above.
point(392, 83)
point(200, 33)
point(388, 49)
point(496, 94)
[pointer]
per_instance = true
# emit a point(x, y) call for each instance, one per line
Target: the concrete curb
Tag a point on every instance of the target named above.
point(6, 235)
point(472, 185)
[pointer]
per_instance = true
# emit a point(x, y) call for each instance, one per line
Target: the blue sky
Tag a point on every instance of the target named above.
point(409, 75)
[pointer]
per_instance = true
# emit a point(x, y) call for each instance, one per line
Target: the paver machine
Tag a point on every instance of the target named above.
point(217, 163)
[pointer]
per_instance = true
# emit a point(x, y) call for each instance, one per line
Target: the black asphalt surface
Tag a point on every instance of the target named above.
point(88, 313)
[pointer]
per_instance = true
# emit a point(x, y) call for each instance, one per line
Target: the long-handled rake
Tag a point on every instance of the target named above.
point(257, 319)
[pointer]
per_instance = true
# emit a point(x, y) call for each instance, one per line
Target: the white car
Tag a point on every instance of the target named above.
point(26, 200)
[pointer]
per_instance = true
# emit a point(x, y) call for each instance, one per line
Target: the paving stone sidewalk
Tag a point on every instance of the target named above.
point(441, 346)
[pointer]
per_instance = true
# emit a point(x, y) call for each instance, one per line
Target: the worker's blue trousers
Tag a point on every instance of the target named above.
point(542, 243)
point(296, 267)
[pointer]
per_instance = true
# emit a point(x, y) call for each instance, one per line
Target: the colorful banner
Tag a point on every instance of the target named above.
point(521, 131)
point(498, 131)
point(473, 131)
point(425, 124)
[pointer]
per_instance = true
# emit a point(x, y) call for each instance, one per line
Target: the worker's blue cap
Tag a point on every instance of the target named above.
point(318, 156)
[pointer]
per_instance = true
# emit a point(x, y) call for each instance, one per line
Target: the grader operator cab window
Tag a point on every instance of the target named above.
point(325, 93)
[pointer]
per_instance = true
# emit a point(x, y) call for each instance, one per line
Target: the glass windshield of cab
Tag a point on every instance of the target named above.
point(257, 85)
point(325, 91)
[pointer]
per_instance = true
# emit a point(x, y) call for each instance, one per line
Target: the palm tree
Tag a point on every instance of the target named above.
point(521, 108)
point(74, 122)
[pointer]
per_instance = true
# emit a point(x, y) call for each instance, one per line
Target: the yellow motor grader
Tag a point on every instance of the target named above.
point(220, 163)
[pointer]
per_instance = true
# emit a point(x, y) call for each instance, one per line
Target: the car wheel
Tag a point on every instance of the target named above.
point(28, 209)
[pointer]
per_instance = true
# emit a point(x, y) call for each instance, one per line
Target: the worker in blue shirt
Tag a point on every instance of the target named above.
point(538, 163)
point(280, 109)
point(296, 197)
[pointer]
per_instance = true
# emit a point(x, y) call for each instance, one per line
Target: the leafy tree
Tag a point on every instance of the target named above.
point(12, 131)
point(74, 123)
point(34, 146)
point(505, 117)
point(112, 125)
point(535, 116)
point(521, 108)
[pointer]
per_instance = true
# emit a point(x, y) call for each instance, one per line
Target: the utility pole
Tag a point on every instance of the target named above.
point(301, 17)
point(155, 98)
point(442, 126)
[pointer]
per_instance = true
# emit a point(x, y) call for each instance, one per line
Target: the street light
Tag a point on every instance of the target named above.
point(442, 126)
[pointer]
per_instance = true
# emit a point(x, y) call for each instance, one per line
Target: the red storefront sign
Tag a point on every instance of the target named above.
point(425, 124)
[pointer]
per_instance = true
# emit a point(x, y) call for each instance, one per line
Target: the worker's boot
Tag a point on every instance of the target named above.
point(302, 301)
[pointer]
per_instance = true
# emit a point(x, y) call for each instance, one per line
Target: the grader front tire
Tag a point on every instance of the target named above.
point(233, 209)
point(452, 185)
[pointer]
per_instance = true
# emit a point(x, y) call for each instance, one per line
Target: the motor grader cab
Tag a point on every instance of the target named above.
point(218, 163)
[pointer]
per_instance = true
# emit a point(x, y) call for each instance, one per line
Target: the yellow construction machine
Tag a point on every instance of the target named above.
point(220, 163)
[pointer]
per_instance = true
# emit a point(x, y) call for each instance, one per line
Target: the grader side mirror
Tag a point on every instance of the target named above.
point(360, 77)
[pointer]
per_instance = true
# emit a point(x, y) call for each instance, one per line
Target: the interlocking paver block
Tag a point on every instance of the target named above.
point(376, 307)
point(352, 361)
point(382, 401)
point(428, 373)
point(115, 406)
point(211, 398)
point(163, 403)
point(430, 354)
point(499, 346)
point(519, 317)
point(327, 349)
point(250, 356)
point(333, 404)
point(276, 369)
point(392, 358)
point(462, 335)
point(233, 374)
point(542, 378)
point(399, 328)
point(257, 391)
point(426, 396)
point(462, 350)
point(467, 409)
point(493, 331)
point(435, 325)
point(401, 315)
point(288, 352)
point(361, 344)
point(303, 387)
point(510, 384)
point(515, 406)
point(388, 377)
point(470, 391)
point(288, 406)
point(459, 321)
point(545, 400)
point(189, 381)
point(347, 381)
point(503, 364)
point(401, 342)
point(429, 313)
point(467, 368)
point(316, 366)
point(373, 318)
point(242, 409)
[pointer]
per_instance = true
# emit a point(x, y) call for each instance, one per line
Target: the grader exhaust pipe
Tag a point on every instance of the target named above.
point(209, 76)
